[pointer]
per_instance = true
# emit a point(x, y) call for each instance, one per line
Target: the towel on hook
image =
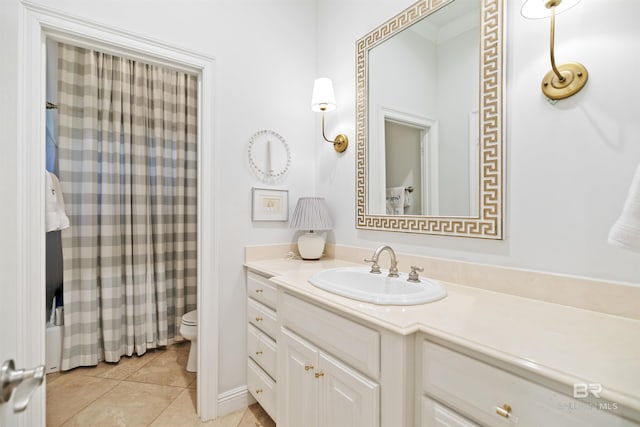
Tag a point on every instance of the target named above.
point(408, 197)
point(395, 201)
point(626, 231)
point(55, 216)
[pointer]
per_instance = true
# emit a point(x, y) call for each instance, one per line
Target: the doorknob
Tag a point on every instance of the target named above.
point(23, 381)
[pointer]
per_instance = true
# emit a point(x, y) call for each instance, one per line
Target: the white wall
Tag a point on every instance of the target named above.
point(407, 58)
point(265, 66)
point(457, 94)
point(568, 165)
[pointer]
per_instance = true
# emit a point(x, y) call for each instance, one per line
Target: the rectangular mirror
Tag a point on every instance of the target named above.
point(429, 112)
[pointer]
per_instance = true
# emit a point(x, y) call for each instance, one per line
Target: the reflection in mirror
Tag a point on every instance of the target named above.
point(429, 127)
point(425, 78)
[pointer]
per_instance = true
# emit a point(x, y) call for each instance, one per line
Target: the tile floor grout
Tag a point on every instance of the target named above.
point(159, 382)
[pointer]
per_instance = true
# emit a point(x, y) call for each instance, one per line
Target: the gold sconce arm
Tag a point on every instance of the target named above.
point(341, 142)
point(552, 37)
point(565, 80)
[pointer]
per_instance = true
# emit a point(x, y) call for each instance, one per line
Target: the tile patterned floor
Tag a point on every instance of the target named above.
point(152, 390)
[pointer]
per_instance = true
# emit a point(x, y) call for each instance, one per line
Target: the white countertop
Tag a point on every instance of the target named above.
point(564, 344)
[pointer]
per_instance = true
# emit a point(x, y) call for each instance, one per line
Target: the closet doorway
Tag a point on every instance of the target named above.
point(48, 25)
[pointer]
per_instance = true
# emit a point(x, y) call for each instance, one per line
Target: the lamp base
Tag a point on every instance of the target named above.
point(311, 246)
point(575, 77)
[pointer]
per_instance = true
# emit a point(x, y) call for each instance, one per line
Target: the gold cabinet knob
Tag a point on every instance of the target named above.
point(258, 319)
point(308, 367)
point(319, 374)
point(258, 391)
point(259, 291)
point(258, 353)
point(504, 410)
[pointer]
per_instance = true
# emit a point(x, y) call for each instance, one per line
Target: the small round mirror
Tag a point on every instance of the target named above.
point(269, 156)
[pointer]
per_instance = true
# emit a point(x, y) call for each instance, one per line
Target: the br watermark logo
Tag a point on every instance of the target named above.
point(583, 390)
point(590, 391)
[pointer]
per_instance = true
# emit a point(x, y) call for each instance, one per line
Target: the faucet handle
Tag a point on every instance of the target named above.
point(413, 274)
point(393, 271)
point(375, 268)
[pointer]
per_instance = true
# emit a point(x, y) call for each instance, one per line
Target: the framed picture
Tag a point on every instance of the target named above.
point(270, 205)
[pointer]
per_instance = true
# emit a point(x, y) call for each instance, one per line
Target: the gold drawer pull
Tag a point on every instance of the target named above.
point(259, 291)
point(319, 374)
point(504, 410)
point(258, 391)
point(258, 353)
point(308, 367)
point(258, 319)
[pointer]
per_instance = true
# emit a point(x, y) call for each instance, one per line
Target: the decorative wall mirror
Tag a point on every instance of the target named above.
point(269, 156)
point(429, 121)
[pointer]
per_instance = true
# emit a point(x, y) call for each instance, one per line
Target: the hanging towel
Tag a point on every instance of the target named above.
point(52, 145)
point(56, 217)
point(408, 197)
point(626, 231)
point(395, 201)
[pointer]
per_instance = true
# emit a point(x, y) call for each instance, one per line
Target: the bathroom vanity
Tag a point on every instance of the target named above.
point(473, 358)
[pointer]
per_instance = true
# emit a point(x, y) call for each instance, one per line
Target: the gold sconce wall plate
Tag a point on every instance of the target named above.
point(341, 143)
point(575, 77)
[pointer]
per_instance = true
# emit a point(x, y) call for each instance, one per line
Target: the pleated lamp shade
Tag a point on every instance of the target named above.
point(311, 214)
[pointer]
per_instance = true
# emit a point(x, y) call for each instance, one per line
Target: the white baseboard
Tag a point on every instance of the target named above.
point(234, 400)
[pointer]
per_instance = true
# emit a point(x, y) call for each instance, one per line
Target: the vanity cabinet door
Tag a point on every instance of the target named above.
point(347, 399)
point(317, 390)
point(297, 385)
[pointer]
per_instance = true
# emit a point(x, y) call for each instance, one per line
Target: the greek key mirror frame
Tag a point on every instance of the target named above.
point(488, 223)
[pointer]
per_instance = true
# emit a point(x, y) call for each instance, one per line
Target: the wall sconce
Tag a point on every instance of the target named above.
point(323, 99)
point(567, 79)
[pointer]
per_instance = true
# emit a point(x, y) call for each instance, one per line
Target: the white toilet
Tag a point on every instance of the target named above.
point(189, 330)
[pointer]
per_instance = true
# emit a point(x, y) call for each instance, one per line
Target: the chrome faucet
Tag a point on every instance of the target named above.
point(375, 268)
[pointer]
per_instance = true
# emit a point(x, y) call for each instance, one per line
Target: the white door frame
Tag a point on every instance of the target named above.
point(429, 159)
point(37, 23)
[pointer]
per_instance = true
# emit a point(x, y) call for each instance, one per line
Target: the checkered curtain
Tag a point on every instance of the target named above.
point(127, 163)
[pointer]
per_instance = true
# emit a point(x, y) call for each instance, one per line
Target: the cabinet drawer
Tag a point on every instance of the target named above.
point(262, 317)
point(436, 415)
point(262, 388)
point(352, 342)
point(262, 350)
point(477, 390)
point(261, 289)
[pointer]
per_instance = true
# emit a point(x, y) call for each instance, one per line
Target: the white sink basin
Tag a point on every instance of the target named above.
point(358, 284)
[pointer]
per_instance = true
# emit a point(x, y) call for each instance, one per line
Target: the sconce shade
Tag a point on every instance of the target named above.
point(323, 98)
point(538, 9)
point(311, 213)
